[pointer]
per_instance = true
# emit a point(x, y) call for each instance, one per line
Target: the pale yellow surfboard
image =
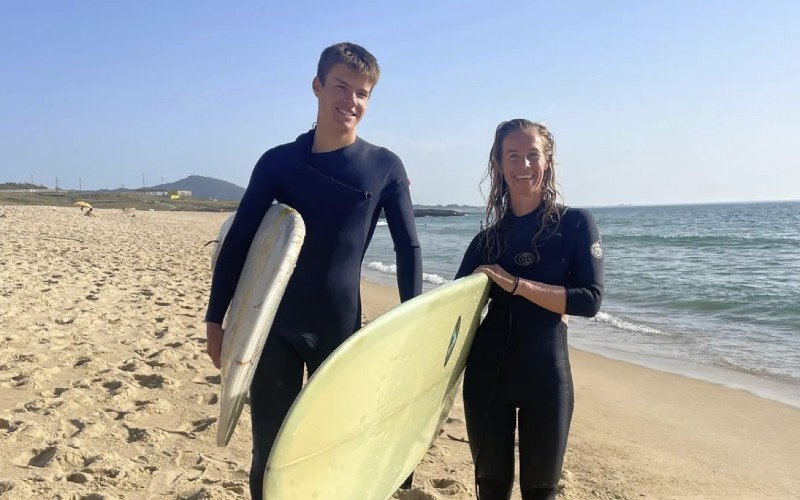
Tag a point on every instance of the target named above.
point(369, 414)
point(267, 269)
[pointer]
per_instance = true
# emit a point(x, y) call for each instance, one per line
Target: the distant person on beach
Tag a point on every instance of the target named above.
point(546, 262)
point(339, 183)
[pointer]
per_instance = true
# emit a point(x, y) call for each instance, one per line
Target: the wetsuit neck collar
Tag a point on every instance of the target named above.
point(512, 217)
point(305, 143)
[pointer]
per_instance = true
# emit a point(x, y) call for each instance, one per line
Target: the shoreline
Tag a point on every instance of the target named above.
point(763, 387)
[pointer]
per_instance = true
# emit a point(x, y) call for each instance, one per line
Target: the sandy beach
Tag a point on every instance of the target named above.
point(106, 391)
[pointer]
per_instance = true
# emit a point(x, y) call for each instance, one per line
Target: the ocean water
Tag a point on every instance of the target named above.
point(708, 291)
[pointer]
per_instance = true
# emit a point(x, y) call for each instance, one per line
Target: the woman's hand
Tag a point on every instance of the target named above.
point(499, 275)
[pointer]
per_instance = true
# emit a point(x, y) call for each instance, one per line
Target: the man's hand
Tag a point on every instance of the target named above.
point(214, 334)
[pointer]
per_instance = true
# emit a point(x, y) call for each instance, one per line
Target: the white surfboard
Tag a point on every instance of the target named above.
point(223, 231)
point(371, 411)
point(266, 272)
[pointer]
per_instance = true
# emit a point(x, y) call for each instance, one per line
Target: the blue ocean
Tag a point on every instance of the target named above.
point(707, 291)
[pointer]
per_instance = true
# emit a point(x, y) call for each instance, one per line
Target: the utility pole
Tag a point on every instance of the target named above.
point(80, 185)
point(142, 181)
point(56, 183)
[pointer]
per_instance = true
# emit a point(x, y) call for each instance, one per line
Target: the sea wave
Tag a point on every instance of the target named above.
point(392, 269)
point(622, 324)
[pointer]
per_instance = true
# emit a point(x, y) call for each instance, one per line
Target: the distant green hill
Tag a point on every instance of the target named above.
point(205, 188)
point(20, 185)
point(202, 188)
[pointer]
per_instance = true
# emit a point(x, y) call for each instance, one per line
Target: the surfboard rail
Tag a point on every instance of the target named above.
point(268, 267)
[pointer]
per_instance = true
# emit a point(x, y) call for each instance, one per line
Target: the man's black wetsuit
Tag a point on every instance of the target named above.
point(519, 358)
point(340, 195)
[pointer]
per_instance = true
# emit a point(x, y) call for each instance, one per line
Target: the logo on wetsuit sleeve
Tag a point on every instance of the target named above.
point(597, 249)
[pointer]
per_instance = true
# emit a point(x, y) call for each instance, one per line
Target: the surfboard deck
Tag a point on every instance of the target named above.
point(269, 265)
point(369, 414)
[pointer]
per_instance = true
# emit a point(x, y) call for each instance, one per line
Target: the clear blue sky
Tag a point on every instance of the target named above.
point(650, 102)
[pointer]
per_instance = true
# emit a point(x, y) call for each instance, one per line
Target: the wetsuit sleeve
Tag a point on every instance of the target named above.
point(471, 259)
point(257, 198)
point(585, 290)
point(400, 219)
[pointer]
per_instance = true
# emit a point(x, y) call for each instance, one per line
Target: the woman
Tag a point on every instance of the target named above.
point(546, 262)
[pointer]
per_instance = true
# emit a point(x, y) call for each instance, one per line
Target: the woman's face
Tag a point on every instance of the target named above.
point(524, 163)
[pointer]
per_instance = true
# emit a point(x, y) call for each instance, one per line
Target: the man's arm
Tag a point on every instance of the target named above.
point(257, 198)
point(400, 219)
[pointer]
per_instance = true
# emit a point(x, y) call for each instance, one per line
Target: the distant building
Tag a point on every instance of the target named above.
point(156, 193)
point(179, 194)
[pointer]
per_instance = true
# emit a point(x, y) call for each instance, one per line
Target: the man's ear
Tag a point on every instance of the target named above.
point(316, 85)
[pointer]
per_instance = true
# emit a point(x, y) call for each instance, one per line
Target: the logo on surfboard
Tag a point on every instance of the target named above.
point(453, 340)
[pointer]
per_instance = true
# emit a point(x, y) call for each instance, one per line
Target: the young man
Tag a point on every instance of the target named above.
point(339, 184)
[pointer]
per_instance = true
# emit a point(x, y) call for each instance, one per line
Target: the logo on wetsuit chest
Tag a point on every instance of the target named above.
point(524, 259)
point(453, 341)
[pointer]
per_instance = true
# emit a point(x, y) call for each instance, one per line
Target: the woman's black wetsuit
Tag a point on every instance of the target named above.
point(519, 359)
point(340, 195)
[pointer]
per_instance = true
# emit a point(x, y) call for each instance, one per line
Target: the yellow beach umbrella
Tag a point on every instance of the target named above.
point(82, 204)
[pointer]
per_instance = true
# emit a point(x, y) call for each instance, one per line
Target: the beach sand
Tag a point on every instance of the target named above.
point(106, 391)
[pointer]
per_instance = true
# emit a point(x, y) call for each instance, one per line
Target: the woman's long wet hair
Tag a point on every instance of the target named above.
point(495, 237)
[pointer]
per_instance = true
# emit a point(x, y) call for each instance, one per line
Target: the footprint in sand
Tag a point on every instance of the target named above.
point(142, 435)
point(25, 358)
point(414, 494)
point(46, 457)
point(87, 362)
point(154, 406)
point(77, 424)
point(203, 424)
point(55, 393)
point(20, 490)
point(117, 414)
point(113, 386)
point(79, 478)
point(154, 363)
point(131, 365)
point(34, 379)
point(66, 320)
point(154, 381)
point(204, 494)
point(448, 487)
point(9, 427)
